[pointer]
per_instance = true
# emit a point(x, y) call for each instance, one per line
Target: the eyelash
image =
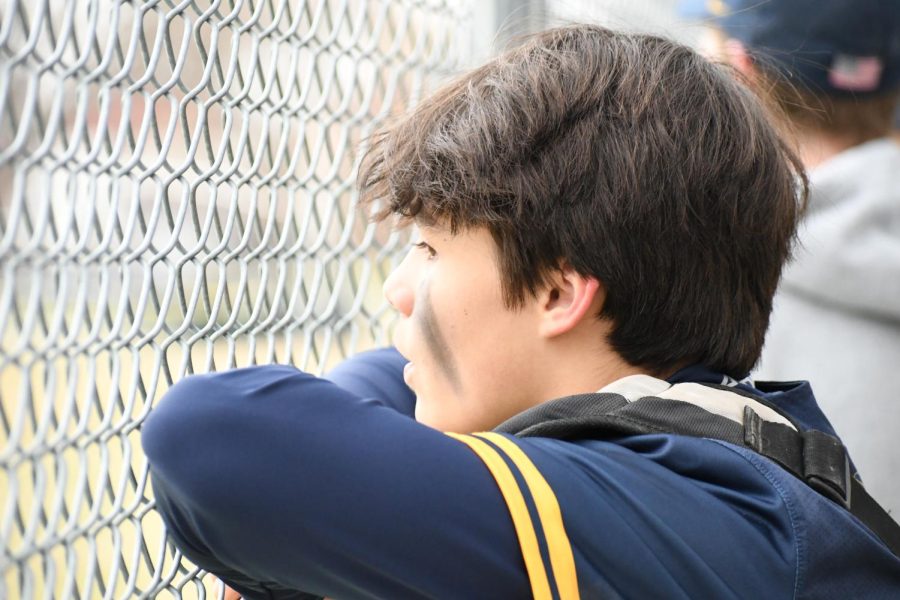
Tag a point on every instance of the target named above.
point(427, 248)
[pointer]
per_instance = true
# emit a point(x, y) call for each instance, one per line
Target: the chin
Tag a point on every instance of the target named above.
point(435, 421)
point(432, 420)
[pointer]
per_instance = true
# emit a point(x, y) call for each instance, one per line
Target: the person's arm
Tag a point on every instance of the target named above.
point(376, 374)
point(283, 483)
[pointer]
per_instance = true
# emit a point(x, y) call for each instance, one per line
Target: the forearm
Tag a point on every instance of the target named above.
point(376, 374)
point(292, 483)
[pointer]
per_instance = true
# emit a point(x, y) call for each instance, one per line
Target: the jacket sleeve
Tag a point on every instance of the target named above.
point(286, 485)
point(377, 375)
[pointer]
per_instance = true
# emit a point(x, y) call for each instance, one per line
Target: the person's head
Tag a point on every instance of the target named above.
point(832, 67)
point(597, 203)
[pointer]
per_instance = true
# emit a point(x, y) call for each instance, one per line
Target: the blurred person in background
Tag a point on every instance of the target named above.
point(831, 69)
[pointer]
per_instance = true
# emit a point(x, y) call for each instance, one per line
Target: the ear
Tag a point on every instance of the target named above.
point(738, 57)
point(568, 299)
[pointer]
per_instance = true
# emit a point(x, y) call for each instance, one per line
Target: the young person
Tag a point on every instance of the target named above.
point(596, 211)
point(832, 67)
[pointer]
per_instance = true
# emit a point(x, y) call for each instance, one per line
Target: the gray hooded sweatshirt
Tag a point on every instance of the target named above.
point(836, 320)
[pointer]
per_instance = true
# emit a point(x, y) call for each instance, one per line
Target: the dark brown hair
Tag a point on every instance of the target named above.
point(628, 156)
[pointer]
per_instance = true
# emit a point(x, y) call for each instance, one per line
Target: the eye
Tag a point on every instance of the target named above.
point(427, 248)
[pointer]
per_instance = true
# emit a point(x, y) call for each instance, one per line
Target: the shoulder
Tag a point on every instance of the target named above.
point(702, 518)
point(673, 513)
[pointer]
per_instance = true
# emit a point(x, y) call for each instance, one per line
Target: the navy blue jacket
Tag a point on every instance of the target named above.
point(291, 486)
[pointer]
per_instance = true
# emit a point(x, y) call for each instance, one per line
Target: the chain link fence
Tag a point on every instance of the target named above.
point(176, 196)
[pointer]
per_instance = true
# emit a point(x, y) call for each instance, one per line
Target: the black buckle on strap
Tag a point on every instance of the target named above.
point(815, 457)
point(826, 466)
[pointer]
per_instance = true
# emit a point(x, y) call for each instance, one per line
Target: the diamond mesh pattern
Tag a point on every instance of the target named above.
point(176, 193)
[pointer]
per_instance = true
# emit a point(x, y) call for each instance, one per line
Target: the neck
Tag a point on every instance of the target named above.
point(815, 147)
point(578, 365)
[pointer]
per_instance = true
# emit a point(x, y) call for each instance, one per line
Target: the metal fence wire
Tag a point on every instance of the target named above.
point(176, 196)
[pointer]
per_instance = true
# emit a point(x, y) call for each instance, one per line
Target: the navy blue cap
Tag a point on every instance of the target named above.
point(836, 47)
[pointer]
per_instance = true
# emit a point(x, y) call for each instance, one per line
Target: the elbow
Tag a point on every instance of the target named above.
point(189, 438)
point(173, 430)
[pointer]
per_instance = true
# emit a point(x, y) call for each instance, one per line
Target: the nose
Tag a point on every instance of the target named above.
point(398, 287)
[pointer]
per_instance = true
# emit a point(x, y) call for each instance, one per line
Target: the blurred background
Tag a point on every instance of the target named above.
point(177, 196)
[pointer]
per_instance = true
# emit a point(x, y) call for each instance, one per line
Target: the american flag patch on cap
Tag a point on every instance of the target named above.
point(855, 73)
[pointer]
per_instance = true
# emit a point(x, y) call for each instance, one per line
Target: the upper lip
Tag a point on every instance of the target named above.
point(399, 349)
point(398, 345)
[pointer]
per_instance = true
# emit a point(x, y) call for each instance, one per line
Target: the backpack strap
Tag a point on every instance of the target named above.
point(816, 458)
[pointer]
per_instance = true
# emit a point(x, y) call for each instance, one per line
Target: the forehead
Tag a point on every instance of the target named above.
point(431, 226)
point(432, 232)
point(472, 243)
